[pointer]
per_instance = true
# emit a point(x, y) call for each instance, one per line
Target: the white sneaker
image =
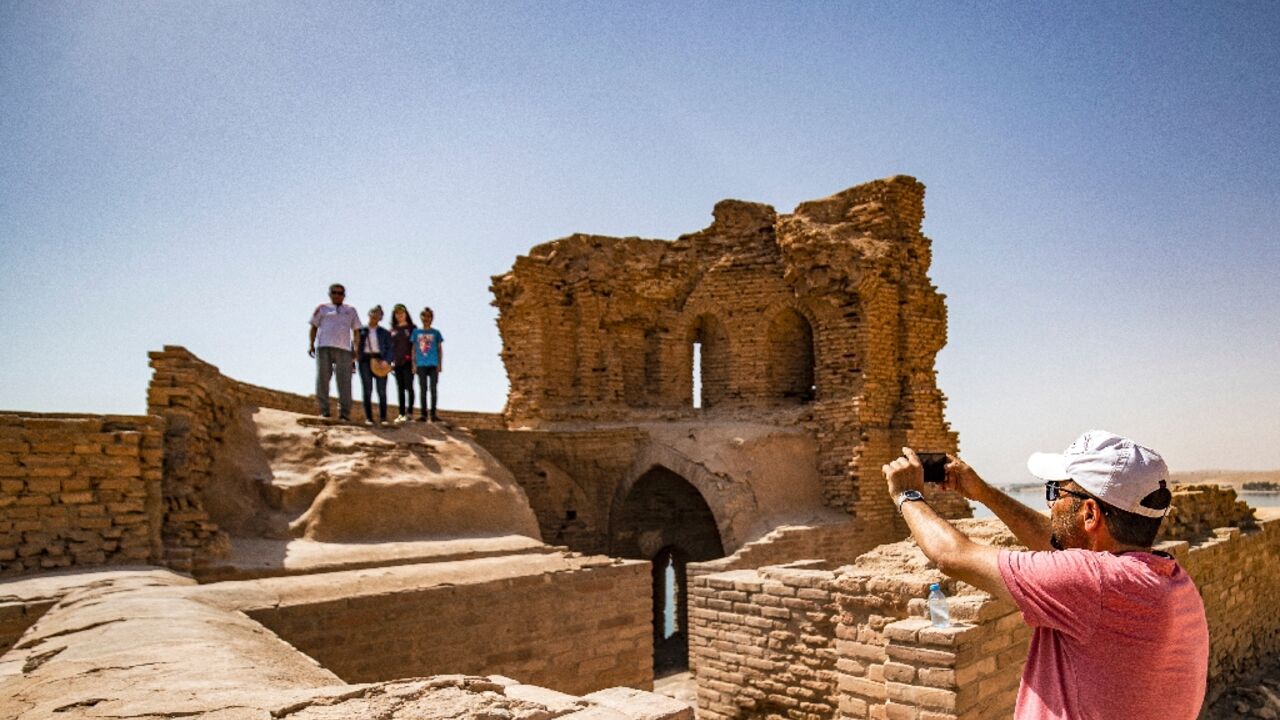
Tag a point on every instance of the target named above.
point(400, 420)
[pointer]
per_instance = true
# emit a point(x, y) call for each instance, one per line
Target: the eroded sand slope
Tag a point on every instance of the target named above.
point(280, 474)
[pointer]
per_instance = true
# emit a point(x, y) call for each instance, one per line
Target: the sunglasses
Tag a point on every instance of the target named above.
point(1054, 490)
point(337, 292)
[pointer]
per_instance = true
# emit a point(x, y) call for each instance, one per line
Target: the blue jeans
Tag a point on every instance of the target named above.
point(367, 382)
point(334, 361)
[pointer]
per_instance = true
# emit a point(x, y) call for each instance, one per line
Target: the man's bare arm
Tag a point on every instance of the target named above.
point(954, 553)
point(1030, 527)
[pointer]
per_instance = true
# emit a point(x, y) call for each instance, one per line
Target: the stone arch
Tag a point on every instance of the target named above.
point(792, 363)
point(662, 508)
point(733, 504)
point(710, 333)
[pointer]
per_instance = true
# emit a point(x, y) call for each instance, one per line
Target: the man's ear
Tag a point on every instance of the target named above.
point(1092, 515)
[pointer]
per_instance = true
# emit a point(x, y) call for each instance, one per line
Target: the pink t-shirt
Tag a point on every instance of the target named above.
point(1116, 636)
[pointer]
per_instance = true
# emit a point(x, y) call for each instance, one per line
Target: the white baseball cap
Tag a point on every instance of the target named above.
point(1114, 469)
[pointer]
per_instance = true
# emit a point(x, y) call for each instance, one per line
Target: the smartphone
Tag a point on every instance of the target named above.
point(935, 466)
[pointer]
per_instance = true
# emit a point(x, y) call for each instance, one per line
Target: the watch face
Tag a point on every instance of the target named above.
point(912, 495)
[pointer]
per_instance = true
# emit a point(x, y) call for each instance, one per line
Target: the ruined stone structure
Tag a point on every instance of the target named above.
point(824, 318)
point(544, 562)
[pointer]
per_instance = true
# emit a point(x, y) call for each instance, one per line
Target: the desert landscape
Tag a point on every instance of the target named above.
point(605, 548)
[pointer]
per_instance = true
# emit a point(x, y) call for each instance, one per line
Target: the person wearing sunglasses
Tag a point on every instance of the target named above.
point(334, 329)
point(1119, 629)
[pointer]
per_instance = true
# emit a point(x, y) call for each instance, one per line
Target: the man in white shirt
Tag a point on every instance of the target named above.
point(334, 327)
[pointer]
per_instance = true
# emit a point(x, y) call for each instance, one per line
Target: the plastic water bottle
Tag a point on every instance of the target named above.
point(939, 613)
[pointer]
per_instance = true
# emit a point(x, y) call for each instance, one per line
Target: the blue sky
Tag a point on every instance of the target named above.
point(1103, 185)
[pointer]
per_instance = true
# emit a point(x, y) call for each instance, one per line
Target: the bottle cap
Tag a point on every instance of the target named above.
point(934, 586)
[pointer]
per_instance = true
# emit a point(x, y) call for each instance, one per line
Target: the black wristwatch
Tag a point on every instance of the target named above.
point(907, 496)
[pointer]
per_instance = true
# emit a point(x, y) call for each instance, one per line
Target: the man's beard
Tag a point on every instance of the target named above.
point(1067, 531)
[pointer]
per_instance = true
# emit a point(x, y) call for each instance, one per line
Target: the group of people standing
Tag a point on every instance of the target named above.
point(340, 345)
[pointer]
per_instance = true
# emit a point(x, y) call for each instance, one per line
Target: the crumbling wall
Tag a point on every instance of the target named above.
point(149, 643)
point(78, 490)
point(576, 625)
point(201, 408)
point(828, 309)
point(762, 648)
point(569, 477)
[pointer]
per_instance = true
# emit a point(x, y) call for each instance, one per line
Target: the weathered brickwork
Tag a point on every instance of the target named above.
point(575, 630)
point(78, 490)
point(147, 642)
point(863, 631)
point(570, 478)
point(199, 404)
point(762, 643)
point(829, 309)
point(1198, 510)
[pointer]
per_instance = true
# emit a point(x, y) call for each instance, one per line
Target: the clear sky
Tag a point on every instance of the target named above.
point(1103, 185)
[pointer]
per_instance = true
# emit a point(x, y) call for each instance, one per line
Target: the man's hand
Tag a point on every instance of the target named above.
point(962, 479)
point(905, 473)
point(312, 351)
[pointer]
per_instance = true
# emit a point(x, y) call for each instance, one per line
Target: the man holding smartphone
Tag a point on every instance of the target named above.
point(1120, 629)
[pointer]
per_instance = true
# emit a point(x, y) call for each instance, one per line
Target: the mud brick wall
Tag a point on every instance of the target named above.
point(834, 544)
point(1237, 573)
point(836, 294)
point(889, 662)
point(197, 404)
point(575, 631)
point(762, 643)
point(1198, 510)
point(569, 477)
point(78, 490)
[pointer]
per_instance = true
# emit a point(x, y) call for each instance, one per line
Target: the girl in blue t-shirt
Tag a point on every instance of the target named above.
point(428, 356)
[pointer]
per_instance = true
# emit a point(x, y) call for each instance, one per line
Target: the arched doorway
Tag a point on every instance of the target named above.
point(664, 519)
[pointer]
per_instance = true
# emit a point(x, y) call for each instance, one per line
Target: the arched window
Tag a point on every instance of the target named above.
point(791, 357)
point(709, 361)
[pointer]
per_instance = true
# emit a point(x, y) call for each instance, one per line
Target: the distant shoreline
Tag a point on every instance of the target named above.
point(1265, 482)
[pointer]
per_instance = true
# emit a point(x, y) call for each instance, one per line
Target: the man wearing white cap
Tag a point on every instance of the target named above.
point(1120, 629)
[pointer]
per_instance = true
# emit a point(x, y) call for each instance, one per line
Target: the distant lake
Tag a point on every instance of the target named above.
point(1033, 495)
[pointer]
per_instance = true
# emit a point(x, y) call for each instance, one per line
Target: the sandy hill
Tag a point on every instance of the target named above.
point(281, 475)
point(1230, 478)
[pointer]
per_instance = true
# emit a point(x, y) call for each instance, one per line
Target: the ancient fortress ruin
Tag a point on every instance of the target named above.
point(685, 476)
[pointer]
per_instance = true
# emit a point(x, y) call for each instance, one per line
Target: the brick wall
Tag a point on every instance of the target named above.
point(890, 663)
point(835, 543)
point(574, 630)
point(835, 297)
point(569, 477)
point(762, 643)
point(198, 404)
point(78, 490)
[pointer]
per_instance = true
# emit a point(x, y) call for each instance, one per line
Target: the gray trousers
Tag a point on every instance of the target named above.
point(331, 361)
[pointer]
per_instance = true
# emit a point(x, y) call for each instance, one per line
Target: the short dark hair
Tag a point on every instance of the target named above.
point(338, 286)
point(1131, 528)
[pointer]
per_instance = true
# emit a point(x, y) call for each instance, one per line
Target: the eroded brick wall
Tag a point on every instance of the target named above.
point(569, 477)
point(889, 662)
point(574, 630)
point(829, 308)
point(78, 490)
